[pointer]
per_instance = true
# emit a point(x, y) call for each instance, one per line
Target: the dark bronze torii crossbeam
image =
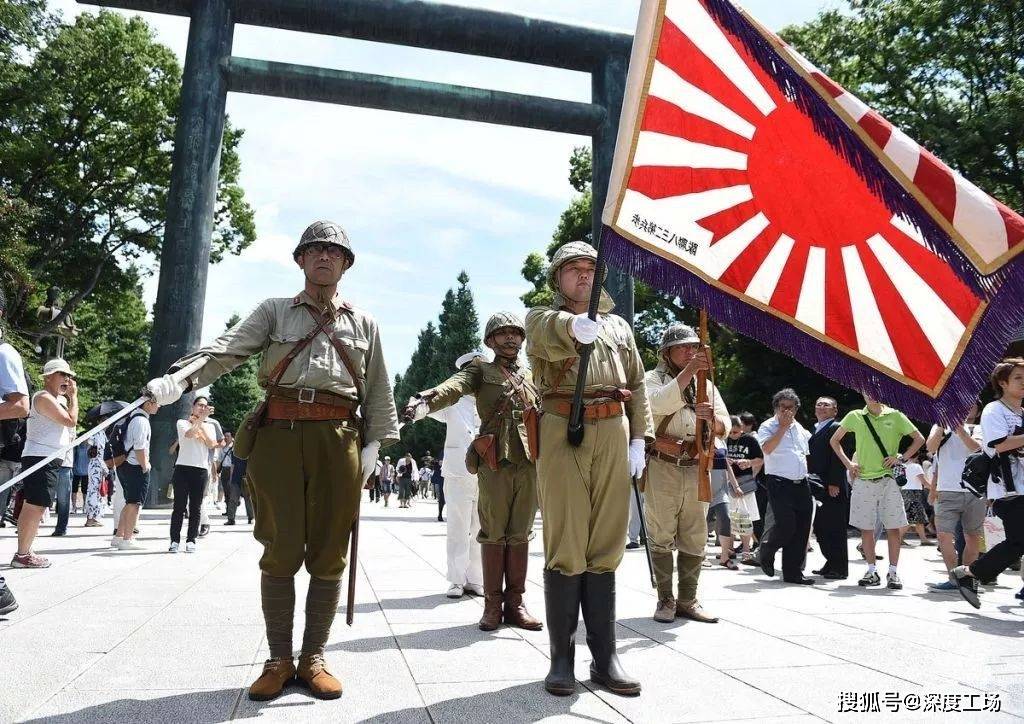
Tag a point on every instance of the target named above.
point(211, 71)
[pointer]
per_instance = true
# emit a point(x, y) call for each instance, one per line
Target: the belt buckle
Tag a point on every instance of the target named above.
point(312, 395)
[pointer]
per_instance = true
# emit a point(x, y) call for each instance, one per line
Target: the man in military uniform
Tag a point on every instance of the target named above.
point(508, 490)
point(584, 491)
point(328, 411)
point(676, 517)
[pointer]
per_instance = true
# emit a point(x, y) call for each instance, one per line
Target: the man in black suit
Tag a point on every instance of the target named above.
point(833, 516)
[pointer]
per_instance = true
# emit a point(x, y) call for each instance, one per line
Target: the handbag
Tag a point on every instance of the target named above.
point(899, 473)
point(486, 447)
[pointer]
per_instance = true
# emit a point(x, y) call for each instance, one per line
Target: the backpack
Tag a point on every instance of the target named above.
point(115, 453)
point(977, 470)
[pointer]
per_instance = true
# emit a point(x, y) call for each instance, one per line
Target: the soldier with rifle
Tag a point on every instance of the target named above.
point(502, 456)
point(675, 511)
point(311, 445)
point(585, 489)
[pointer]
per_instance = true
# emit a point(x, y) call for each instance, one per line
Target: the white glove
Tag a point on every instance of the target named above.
point(637, 458)
point(419, 408)
point(165, 390)
point(585, 329)
point(368, 458)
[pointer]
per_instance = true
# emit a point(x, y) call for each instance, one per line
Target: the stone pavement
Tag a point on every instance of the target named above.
point(104, 636)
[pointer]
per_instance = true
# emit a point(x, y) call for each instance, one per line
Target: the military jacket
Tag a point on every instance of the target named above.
point(615, 362)
point(668, 400)
point(492, 390)
point(277, 325)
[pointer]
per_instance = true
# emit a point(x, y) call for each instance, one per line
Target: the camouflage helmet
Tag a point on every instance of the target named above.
point(503, 319)
point(677, 334)
point(565, 254)
point(325, 232)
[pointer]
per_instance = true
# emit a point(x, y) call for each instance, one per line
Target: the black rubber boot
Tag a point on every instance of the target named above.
point(599, 616)
point(562, 605)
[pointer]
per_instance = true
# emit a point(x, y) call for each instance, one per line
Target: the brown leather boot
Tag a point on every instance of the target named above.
point(277, 673)
point(694, 612)
point(313, 674)
point(492, 557)
point(516, 559)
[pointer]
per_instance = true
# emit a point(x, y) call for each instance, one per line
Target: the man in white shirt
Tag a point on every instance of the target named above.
point(954, 505)
point(14, 405)
point(784, 442)
point(134, 474)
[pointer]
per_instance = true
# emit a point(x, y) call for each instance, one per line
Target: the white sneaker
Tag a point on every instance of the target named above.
point(454, 591)
point(173, 548)
point(129, 545)
point(474, 589)
point(190, 547)
point(116, 541)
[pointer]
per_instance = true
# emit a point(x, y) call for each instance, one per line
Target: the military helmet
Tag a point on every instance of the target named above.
point(325, 232)
point(565, 254)
point(503, 319)
point(677, 334)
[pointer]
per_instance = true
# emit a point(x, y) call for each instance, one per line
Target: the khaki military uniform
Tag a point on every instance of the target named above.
point(508, 496)
point(305, 475)
point(676, 519)
point(584, 491)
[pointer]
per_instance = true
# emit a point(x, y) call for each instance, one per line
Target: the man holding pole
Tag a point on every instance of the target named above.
point(310, 446)
point(584, 491)
point(676, 517)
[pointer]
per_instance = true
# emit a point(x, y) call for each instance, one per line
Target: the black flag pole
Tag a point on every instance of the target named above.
point(575, 431)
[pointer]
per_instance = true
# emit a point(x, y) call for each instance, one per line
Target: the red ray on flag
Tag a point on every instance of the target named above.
point(748, 181)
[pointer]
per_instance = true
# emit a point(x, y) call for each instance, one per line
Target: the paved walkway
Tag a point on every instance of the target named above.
point(104, 636)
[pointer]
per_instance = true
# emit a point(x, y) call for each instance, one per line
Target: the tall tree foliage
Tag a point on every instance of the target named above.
point(86, 133)
point(238, 392)
point(456, 333)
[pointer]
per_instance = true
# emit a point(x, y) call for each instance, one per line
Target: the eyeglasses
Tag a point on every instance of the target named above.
point(333, 250)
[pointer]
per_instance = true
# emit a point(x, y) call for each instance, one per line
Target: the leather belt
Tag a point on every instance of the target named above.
point(278, 409)
point(619, 395)
point(308, 395)
point(679, 462)
point(603, 411)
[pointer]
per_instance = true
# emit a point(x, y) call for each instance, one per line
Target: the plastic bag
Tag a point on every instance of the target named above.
point(739, 516)
point(994, 532)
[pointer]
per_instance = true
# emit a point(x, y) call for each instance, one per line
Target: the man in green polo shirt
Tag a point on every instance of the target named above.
point(878, 430)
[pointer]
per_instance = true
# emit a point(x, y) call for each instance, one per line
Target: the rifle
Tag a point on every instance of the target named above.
point(575, 430)
point(705, 433)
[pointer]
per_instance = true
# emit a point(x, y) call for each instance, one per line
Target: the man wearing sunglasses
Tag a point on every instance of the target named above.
point(311, 446)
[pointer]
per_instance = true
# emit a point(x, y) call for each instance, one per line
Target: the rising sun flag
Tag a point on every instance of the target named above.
point(749, 183)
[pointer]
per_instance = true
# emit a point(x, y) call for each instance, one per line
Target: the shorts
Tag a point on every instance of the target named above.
point(913, 506)
point(954, 507)
point(720, 514)
point(872, 500)
point(40, 488)
point(134, 483)
point(79, 482)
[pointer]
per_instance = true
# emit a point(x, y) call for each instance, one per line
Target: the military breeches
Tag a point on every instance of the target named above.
point(584, 495)
point(508, 503)
point(675, 518)
point(306, 482)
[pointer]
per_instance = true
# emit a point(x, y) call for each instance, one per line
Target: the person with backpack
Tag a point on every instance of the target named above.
point(14, 407)
point(1002, 432)
point(954, 505)
point(877, 431)
point(51, 427)
point(132, 460)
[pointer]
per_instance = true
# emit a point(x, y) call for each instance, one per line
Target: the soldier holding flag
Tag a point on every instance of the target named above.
point(312, 444)
point(584, 491)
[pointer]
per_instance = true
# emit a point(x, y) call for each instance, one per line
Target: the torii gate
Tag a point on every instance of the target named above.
point(211, 71)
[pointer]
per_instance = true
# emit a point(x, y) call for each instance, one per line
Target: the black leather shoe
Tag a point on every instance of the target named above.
point(830, 575)
point(562, 606)
point(632, 546)
point(598, 604)
point(767, 565)
point(802, 580)
point(820, 572)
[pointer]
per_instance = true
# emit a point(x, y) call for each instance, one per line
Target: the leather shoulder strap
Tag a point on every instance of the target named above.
point(357, 380)
point(278, 372)
point(519, 385)
point(566, 366)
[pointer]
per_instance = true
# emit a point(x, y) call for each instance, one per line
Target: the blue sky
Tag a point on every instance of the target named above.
point(422, 198)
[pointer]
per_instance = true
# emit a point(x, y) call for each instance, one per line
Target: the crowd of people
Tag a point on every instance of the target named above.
point(758, 490)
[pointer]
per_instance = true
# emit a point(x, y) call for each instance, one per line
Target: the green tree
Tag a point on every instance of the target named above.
point(950, 73)
point(457, 332)
point(238, 392)
point(86, 132)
